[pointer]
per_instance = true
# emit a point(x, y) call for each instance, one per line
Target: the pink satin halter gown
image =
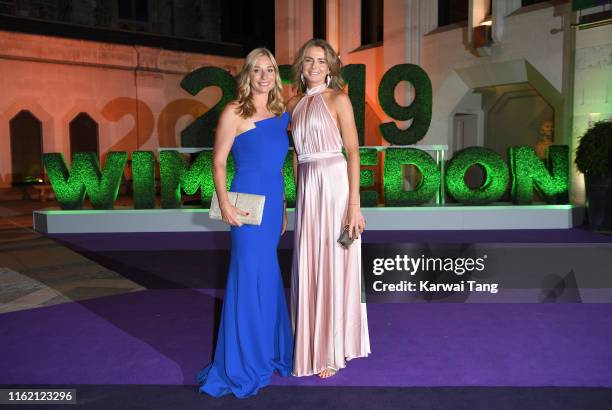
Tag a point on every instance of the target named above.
point(329, 321)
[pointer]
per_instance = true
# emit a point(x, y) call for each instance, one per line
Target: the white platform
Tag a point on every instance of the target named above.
point(457, 217)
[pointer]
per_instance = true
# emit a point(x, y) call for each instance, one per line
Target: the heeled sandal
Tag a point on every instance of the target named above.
point(329, 368)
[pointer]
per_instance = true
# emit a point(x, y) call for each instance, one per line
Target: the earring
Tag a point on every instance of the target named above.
point(302, 78)
point(328, 79)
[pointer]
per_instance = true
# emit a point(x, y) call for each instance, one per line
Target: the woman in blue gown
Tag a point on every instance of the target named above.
point(255, 337)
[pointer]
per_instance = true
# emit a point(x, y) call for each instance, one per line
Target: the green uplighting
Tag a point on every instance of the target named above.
point(143, 183)
point(284, 70)
point(395, 158)
point(496, 176)
point(85, 178)
point(368, 156)
point(531, 172)
point(68, 188)
point(288, 179)
point(175, 174)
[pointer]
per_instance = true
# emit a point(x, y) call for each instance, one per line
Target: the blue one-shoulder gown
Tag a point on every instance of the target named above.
point(255, 337)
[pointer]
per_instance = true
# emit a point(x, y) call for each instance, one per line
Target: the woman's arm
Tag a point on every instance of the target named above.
point(295, 166)
point(348, 130)
point(290, 107)
point(224, 139)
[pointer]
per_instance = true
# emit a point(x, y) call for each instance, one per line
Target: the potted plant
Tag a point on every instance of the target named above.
point(594, 160)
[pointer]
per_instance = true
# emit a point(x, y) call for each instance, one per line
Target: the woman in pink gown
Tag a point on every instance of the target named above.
point(328, 317)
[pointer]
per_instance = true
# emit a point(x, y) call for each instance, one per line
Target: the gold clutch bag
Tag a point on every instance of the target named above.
point(251, 203)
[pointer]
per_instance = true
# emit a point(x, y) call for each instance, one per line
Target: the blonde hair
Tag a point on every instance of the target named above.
point(333, 62)
point(244, 100)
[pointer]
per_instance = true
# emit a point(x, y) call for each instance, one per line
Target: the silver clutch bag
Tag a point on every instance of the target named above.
point(251, 203)
point(344, 239)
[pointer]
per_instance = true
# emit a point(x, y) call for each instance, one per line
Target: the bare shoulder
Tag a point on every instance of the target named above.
point(230, 110)
point(229, 120)
point(292, 103)
point(230, 114)
point(339, 98)
point(337, 101)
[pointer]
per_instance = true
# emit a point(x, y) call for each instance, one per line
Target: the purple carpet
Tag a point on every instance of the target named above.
point(166, 336)
point(221, 240)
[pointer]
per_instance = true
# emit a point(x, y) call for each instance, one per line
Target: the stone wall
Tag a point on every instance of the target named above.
point(132, 92)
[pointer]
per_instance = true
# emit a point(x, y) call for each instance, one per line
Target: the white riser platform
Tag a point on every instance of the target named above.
point(54, 221)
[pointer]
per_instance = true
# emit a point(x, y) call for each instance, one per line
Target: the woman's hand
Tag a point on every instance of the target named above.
point(343, 111)
point(230, 213)
point(227, 127)
point(355, 221)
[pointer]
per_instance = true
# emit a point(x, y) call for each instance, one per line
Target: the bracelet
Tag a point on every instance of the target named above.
point(354, 204)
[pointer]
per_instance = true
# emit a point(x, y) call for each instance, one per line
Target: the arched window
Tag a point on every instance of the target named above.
point(83, 135)
point(26, 148)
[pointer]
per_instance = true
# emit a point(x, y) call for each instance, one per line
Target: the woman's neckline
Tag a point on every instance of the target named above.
point(316, 90)
point(256, 123)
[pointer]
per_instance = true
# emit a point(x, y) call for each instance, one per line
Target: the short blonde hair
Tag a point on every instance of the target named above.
point(333, 62)
point(244, 99)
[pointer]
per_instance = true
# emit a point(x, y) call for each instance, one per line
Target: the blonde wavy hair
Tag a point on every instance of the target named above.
point(333, 62)
point(245, 107)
